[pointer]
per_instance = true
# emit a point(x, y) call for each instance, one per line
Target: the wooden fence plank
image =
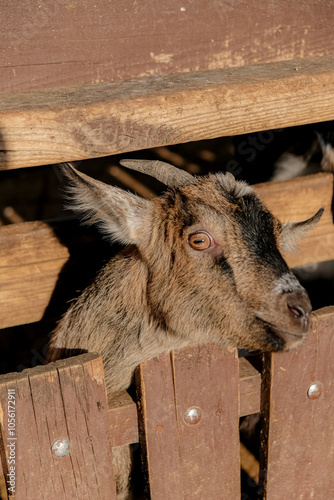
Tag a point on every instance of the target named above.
point(214, 445)
point(157, 426)
point(32, 254)
point(24, 435)
point(249, 388)
point(51, 126)
point(63, 400)
point(190, 430)
point(85, 403)
point(297, 447)
point(50, 421)
point(108, 41)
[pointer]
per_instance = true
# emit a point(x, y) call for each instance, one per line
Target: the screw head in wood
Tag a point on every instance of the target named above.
point(193, 415)
point(61, 448)
point(315, 390)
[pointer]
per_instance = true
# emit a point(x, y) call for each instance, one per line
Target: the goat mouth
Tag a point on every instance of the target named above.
point(286, 335)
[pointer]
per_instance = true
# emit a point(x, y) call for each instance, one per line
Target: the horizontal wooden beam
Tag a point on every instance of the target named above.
point(38, 259)
point(123, 421)
point(297, 200)
point(75, 123)
point(33, 256)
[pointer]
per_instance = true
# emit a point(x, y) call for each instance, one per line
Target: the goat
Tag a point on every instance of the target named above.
point(319, 156)
point(202, 264)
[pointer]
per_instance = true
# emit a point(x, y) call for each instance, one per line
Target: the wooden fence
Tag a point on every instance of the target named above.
point(189, 407)
point(246, 69)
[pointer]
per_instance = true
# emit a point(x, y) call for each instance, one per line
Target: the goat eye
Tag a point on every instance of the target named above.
point(201, 240)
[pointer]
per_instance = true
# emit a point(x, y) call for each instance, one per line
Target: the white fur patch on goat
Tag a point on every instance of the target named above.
point(327, 163)
point(286, 283)
point(289, 166)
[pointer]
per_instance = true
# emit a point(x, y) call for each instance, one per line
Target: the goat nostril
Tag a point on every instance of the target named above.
point(297, 311)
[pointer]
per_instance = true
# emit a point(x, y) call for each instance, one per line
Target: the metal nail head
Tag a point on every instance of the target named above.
point(61, 447)
point(315, 390)
point(193, 415)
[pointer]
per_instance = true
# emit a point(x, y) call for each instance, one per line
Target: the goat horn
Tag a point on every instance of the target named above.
point(163, 172)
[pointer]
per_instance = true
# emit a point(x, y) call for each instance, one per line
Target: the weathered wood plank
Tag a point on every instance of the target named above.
point(3, 489)
point(65, 399)
point(36, 257)
point(62, 43)
point(18, 243)
point(297, 446)
point(157, 391)
point(190, 425)
point(75, 123)
point(33, 254)
point(297, 200)
point(249, 388)
point(122, 419)
point(26, 435)
point(122, 410)
point(208, 377)
point(54, 391)
point(50, 421)
point(86, 409)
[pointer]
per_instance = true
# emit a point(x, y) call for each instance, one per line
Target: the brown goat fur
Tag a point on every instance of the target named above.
point(164, 290)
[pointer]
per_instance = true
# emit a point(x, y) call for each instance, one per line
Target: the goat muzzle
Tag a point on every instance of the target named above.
point(290, 317)
point(298, 307)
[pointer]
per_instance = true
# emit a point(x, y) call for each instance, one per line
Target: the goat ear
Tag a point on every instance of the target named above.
point(293, 231)
point(120, 215)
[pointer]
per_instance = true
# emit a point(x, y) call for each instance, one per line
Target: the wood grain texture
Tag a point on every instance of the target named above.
point(297, 447)
point(33, 254)
point(36, 387)
point(297, 200)
point(249, 388)
point(65, 42)
point(66, 399)
point(51, 126)
point(122, 410)
point(199, 460)
point(32, 257)
point(40, 264)
point(122, 419)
